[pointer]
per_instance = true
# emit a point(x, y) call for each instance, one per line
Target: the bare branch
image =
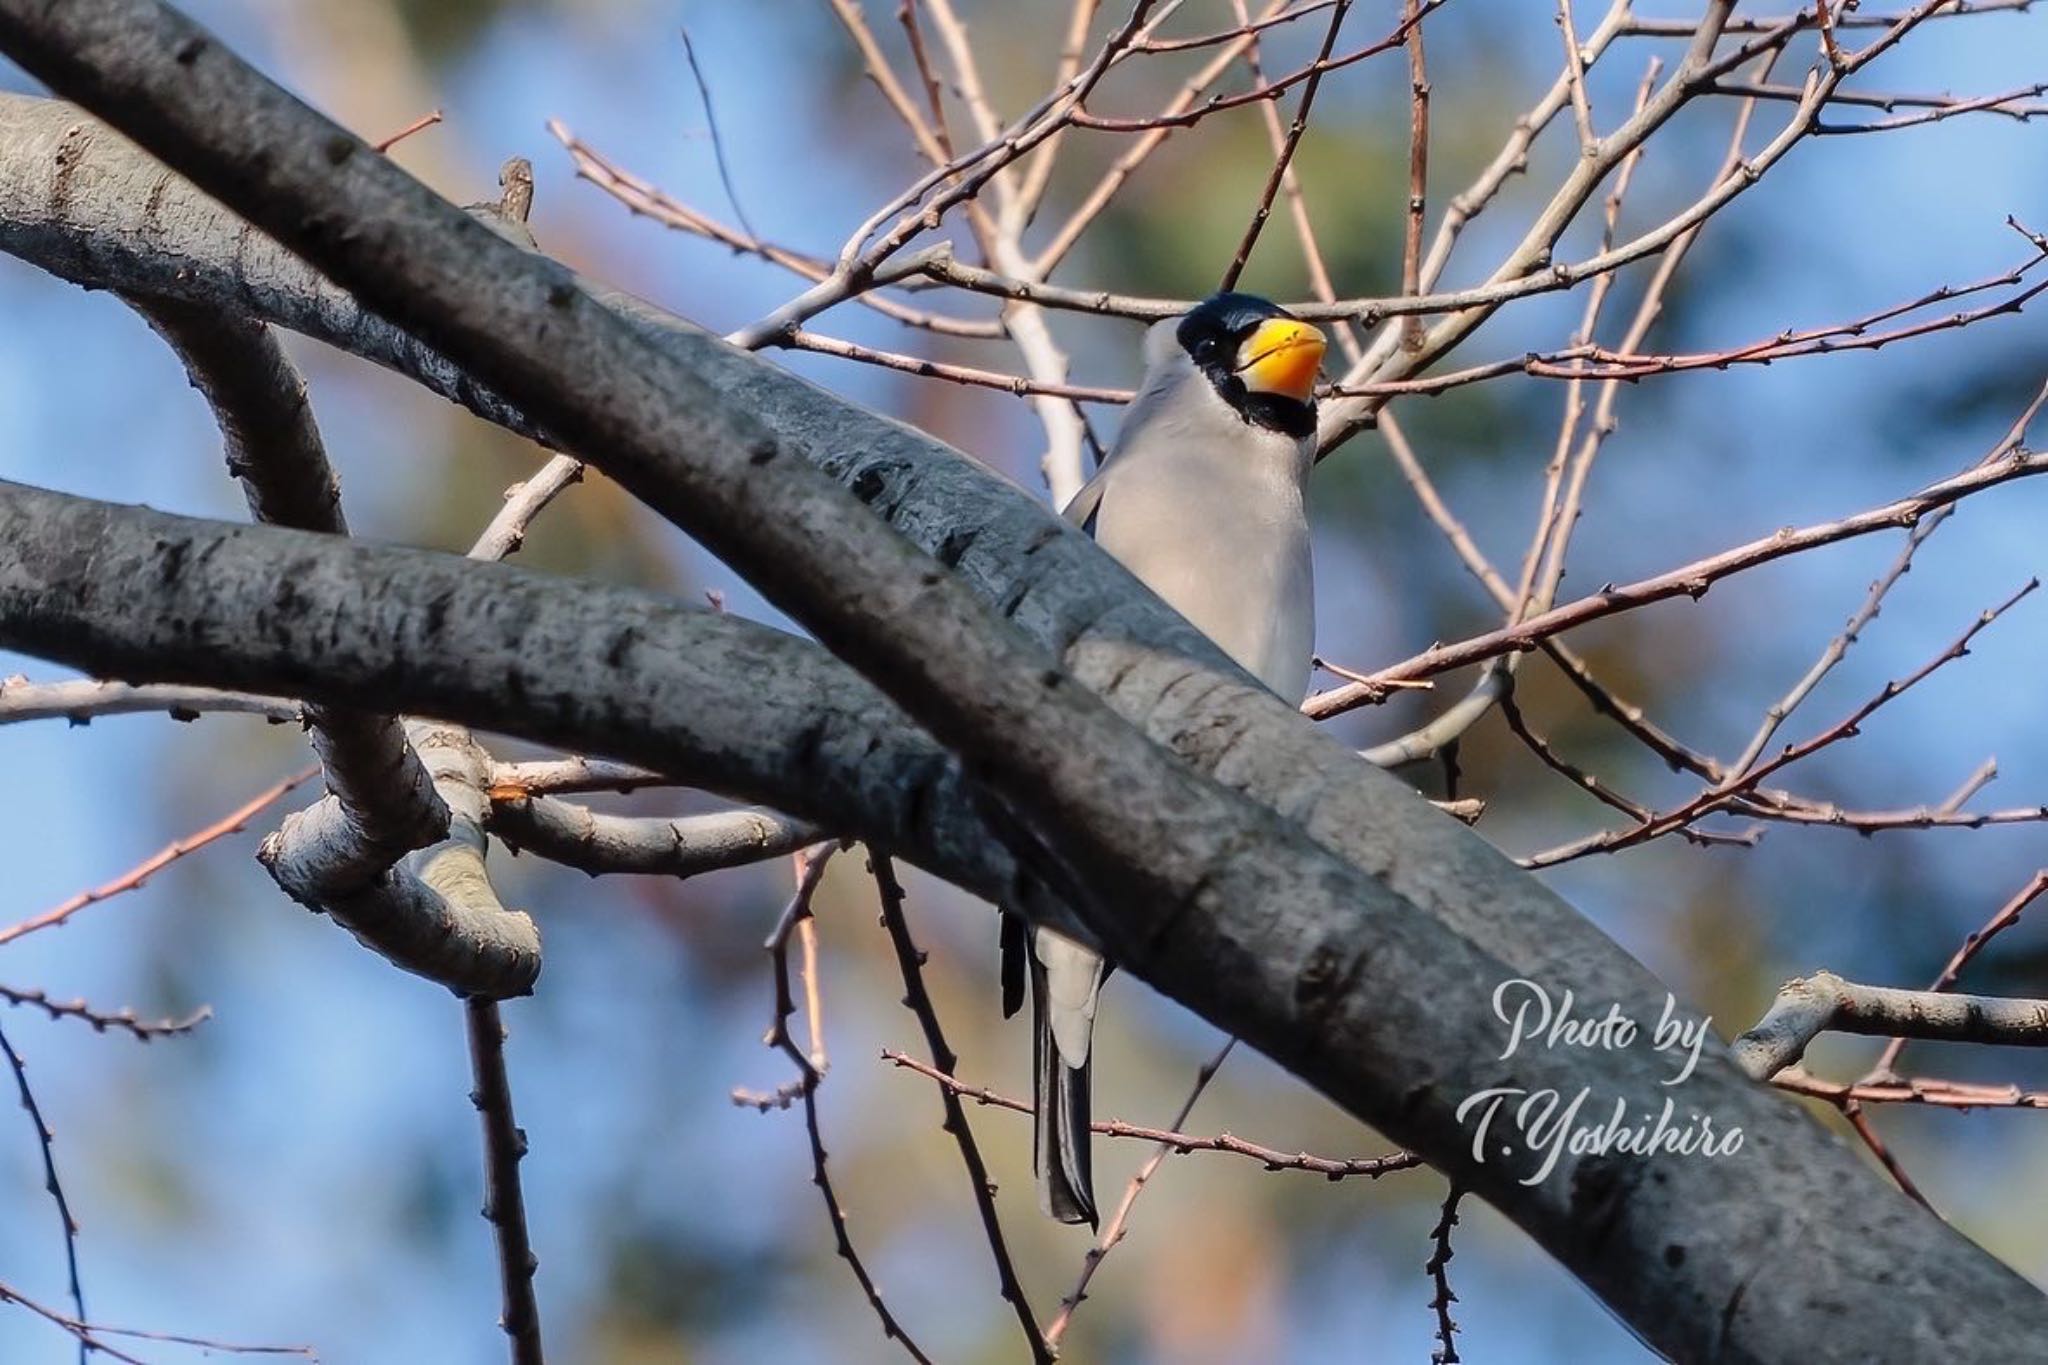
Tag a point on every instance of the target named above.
point(118, 1021)
point(234, 822)
point(910, 963)
point(682, 846)
point(80, 702)
point(504, 1203)
point(1886, 1066)
point(1438, 1270)
point(1285, 156)
point(1690, 580)
point(46, 1143)
point(1176, 1142)
point(1825, 1003)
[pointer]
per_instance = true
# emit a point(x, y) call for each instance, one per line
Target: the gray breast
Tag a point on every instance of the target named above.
point(1208, 513)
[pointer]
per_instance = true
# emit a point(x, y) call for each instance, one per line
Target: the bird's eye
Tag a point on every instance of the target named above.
point(1207, 348)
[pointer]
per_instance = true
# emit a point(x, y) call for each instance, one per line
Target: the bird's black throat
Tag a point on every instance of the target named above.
point(1212, 332)
point(1272, 411)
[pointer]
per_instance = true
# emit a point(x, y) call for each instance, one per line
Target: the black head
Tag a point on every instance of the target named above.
point(1261, 359)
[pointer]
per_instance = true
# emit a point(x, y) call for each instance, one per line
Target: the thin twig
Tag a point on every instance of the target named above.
point(47, 1143)
point(119, 1021)
point(1119, 1221)
point(910, 962)
point(1838, 648)
point(504, 1201)
point(1272, 89)
point(809, 868)
point(1885, 1069)
point(1286, 155)
point(1176, 1142)
point(1852, 1110)
point(1689, 580)
point(1438, 1269)
point(732, 195)
point(1927, 1091)
point(86, 1334)
point(1418, 167)
point(892, 1330)
point(1724, 793)
point(234, 822)
point(1020, 386)
point(424, 121)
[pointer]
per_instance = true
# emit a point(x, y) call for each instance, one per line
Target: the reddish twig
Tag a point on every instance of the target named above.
point(86, 1334)
point(1176, 1142)
point(1838, 647)
point(1018, 385)
point(1135, 156)
point(1246, 28)
point(1724, 793)
point(645, 199)
point(1852, 1110)
point(1690, 580)
point(1885, 1069)
point(1273, 89)
point(1921, 1090)
point(423, 122)
point(234, 822)
point(91, 1334)
point(1784, 808)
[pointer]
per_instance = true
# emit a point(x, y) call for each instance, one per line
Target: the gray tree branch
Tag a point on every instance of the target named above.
point(1809, 1006)
point(438, 914)
point(382, 802)
point(81, 701)
point(683, 846)
point(1399, 1038)
point(743, 709)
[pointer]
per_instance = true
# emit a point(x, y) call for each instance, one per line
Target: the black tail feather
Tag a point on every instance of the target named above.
point(1016, 955)
point(1060, 1143)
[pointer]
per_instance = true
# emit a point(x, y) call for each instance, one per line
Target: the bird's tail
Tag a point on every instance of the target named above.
point(1065, 979)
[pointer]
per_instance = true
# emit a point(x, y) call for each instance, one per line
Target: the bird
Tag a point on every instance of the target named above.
point(1203, 499)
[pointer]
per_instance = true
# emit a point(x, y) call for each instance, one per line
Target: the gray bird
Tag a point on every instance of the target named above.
point(1202, 499)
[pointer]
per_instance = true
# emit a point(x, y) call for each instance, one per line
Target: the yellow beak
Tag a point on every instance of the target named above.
point(1282, 357)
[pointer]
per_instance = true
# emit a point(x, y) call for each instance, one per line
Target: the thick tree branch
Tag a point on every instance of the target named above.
point(646, 680)
point(382, 804)
point(439, 916)
point(747, 711)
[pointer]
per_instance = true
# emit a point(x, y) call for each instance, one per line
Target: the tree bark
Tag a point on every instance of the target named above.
point(1767, 1237)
